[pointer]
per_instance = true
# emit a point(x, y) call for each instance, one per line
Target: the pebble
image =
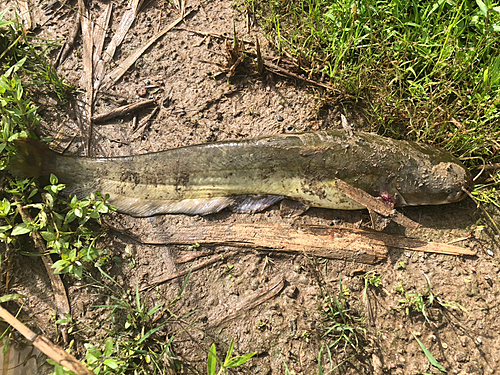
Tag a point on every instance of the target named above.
point(479, 340)
point(279, 118)
point(408, 255)
point(291, 291)
point(490, 252)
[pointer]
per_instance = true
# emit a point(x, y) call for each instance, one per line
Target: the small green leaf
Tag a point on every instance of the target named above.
point(53, 179)
point(238, 361)
point(429, 356)
point(482, 7)
point(212, 360)
point(11, 297)
point(111, 363)
point(61, 266)
point(48, 236)
point(108, 347)
point(20, 229)
point(229, 352)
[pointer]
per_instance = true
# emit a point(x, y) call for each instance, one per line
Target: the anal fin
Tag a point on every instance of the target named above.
point(144, 207)
point(254, 203)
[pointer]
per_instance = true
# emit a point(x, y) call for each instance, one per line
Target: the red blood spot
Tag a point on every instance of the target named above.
point(387, 198)
point(333, 234)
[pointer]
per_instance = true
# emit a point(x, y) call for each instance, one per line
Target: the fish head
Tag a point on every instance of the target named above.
point(440, 183)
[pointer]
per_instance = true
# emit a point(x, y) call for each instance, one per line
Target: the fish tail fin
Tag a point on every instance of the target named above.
point(32, 159)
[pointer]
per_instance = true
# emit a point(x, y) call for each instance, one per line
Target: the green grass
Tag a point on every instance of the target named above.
point(424, 70)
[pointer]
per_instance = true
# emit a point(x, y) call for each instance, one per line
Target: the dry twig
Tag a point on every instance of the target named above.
point(199, 266)
point(372, 203)
point(122, 111)
point(60, 296)
point(69, 43)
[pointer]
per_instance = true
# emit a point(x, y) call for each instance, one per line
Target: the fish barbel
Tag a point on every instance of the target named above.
point(249, 175)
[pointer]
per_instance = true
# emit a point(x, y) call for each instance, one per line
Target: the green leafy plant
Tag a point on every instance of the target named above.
point(64, 225)
point(229, 361)
point(344, 328)
point(18, 45)
point(421, 302)
point(136, 342)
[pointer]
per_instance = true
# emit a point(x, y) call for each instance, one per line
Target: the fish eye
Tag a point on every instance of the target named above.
point(448, 191)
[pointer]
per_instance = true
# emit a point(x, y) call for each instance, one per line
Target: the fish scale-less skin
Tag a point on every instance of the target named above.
point(302, 167)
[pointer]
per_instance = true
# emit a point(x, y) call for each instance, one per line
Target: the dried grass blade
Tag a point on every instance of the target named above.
point(100, 33)
point(107, 56)
point(25, 13)
point(286, 73)
point(125, 65)
point(250, 302)
point(122, 111)
point(145, 121)
point(70, 41)
point(260, 62)
point(87, 27)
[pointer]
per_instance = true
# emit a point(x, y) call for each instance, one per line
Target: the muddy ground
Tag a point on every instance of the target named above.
point(287, 329)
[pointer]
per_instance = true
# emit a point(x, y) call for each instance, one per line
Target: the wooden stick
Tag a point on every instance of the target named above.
point(47, 347)
point(60, 295)
point(372, 203)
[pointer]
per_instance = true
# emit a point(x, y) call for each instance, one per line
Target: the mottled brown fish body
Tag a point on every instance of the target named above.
point(205, 178)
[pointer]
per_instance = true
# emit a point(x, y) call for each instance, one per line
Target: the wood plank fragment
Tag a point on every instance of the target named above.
point(353, 245)
point(324, 242)
point(122, 111)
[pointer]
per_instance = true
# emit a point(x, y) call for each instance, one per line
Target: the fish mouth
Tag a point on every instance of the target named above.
point(455, 196)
